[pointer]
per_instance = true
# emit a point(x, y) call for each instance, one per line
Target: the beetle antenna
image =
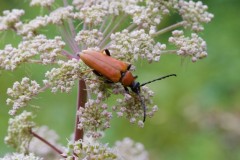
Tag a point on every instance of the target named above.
point(142, 104)
point(157, 79)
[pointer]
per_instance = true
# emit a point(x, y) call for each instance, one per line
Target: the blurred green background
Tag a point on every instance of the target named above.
point(199, 116)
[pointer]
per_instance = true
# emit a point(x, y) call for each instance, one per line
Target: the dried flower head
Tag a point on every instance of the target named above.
point(21, 93)
point(19, 134)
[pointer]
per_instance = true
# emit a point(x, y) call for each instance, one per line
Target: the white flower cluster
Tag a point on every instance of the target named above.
point(55, 17)
point(19, 134)
point(91, 15)
point(129, 46)
point(193, 46)
point(89, 149)
point(20, 156)
point(28, 29)
point(144, 16)
point(48, 49)
point(60, 14)
point(94, 117)
point(10, 18)
point(21, 93)
point(131, 106)
point(43, 3)
point(63, 78)
point(130, 150)
point(89, 38)
point(10, 57)
point(194, 13)
point(40, 148)
point(162, 5)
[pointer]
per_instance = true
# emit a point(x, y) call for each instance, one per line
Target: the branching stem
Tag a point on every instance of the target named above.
point(47, 143)
point(169, 28)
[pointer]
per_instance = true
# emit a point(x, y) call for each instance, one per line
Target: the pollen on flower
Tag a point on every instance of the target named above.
point(63, 78)
point(19, 129)
point(10, 18)
point(193, 46)
point(21, 93)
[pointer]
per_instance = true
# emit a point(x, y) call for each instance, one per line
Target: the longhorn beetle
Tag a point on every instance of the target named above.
point(115, 71)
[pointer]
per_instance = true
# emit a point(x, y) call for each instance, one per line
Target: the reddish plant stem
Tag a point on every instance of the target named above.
point(47, 143)
point(81, 100)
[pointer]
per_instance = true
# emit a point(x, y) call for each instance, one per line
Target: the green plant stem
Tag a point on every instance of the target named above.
point(169, 28)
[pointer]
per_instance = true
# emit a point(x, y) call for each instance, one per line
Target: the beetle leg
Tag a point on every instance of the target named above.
point(97, 73)
point(129, 67)
point(107, 52)
point(108, 81)
point(126, 90)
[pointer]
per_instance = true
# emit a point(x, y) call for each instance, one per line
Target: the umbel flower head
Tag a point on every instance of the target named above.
point(129, 29)
point(19, 134)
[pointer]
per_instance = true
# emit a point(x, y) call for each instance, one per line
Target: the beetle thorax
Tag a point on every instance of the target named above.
point(127, 79)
